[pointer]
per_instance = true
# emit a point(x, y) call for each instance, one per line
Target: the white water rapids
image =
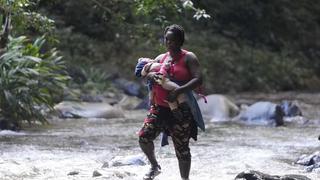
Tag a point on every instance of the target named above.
point(84, 145)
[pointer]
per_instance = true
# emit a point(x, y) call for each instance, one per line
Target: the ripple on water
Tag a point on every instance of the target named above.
point(84, 145)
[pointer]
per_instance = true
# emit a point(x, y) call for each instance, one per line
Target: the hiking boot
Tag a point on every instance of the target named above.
point(153, 172)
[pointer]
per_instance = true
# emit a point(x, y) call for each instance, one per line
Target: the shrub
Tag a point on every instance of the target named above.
point(29, 80)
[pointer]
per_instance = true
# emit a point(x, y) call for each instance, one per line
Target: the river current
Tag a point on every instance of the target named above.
point(75, 148)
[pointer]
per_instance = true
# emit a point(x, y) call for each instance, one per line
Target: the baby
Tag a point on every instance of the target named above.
point(162, 79)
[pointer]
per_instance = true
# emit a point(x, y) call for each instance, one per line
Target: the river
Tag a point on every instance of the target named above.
point(84, 145)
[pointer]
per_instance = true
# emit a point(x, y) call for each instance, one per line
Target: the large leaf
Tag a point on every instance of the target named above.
point(29, 78)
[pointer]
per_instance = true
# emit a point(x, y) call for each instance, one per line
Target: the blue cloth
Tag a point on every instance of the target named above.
point(192, 101)
point(164, 139)
point(193, 104)
point(137, 72)
point(139, 68)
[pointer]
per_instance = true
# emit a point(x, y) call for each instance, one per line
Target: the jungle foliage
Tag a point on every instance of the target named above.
point(246, 45)
point(32, 74)
point(29, 80)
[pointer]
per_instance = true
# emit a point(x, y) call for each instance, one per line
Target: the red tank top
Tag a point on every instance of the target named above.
point(178, 72)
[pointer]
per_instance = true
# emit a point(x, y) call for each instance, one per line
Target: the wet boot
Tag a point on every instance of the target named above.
point(148, 149)
point(184, 167)
point(153, 172)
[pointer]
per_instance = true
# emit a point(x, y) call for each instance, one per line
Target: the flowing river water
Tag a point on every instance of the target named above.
point(83, 146)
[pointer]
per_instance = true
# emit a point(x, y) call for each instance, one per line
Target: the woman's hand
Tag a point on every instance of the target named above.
point(172, 96)
point(154, 76)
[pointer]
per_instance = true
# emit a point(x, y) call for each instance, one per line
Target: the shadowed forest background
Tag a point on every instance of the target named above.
point(71, 105)
point(54, 48)
point(245, 46)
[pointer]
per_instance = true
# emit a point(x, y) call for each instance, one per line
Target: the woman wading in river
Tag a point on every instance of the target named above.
point(184, 70)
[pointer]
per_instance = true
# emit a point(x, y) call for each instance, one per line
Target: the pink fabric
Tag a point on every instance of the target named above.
point(177, 71)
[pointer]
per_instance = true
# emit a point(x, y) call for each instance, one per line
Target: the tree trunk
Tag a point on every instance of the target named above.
point(4, 36)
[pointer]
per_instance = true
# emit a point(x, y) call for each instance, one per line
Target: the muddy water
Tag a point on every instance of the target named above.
point(84, 145)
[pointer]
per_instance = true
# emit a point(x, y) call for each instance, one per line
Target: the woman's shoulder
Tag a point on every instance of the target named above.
point(190, 56)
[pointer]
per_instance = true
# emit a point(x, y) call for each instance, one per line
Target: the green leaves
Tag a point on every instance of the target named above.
point(24, 18)
point(165, 9)
point(29, 79)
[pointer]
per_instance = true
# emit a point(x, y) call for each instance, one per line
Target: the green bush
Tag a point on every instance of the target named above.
point(29, 80)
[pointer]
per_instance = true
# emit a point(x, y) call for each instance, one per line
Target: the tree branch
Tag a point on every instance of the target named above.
point(101, 5)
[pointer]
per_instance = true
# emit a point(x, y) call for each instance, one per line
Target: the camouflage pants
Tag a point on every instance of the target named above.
point(181, 130)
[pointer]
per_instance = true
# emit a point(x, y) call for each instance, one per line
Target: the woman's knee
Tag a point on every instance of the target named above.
point(145, 139)
point(147, 135)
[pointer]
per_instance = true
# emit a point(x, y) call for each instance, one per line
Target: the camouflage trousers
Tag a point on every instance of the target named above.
point(161, 119)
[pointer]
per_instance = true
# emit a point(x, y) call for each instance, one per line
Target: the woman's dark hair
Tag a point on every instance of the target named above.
point(177, 30)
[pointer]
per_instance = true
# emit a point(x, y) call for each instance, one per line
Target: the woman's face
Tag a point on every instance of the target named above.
point(171, 41)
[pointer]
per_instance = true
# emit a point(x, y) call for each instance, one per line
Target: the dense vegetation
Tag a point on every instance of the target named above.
point(248, 45)
point(32, 74)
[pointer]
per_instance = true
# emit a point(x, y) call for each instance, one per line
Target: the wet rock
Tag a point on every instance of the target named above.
point(314, 167)
point(91, 98)
point(69, 109)
point(290, 108)
point(269, 113)
point(122, 175)
point(129, 87)
point(129, 102)
point(96, 173)
point(262, 113)
point(137, 160)
point(105, 165)
point(9, 125)
point(312, 162)
point(72, 173)
point(83, 143)
point(218, 108)
point(256, 175)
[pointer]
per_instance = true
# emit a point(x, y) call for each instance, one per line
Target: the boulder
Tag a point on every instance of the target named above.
point(130, 88)
point(261, 113)
point(290, 108)
point(269, 113)
point(137, 160)
point(69, 109)
point(312, 161)
point(256, 175)
point(218, 108)
point(129, 102)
